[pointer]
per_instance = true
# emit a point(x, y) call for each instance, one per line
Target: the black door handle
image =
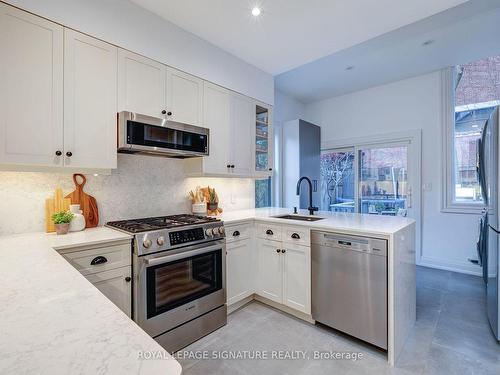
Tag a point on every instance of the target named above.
point(236, 233)
point(278, 250)
point(58, 153)
point(283, 251)
point(169, 113)
point(98, 260)
point(296, 236)
point(163, 112)
point(69, 154)
point(128, 279)
point(269, 232)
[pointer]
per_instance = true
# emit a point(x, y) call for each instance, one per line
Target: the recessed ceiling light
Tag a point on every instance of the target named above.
point(475, 126)
point(256, 11)
point(350, 67)
point(428, 42)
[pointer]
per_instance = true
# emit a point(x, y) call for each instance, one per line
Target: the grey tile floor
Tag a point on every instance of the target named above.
point(451, 336)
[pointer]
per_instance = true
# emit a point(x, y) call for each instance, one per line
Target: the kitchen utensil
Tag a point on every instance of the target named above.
point(53, 205)
point(87, 203)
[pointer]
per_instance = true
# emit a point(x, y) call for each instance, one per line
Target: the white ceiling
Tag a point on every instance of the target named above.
point(290, 33)
point(459, 35)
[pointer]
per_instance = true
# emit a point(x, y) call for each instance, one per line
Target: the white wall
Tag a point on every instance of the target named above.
point(127, 25)
point(285, 109)
point(447, 239)
point(142, 186)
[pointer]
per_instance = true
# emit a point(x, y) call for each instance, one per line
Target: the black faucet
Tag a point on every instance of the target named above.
point(310, 208)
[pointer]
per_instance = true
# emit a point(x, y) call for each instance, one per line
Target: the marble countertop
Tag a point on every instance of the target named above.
point(334, 221)
point(53, 321)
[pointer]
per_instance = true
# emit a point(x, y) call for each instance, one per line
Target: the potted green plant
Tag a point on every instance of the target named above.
point(62, 220)
point(213, 199)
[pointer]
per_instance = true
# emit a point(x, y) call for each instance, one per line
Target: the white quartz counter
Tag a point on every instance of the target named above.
point(335, 221)
point(53, 321)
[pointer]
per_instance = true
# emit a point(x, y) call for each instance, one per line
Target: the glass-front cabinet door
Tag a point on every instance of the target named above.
point(263, 140)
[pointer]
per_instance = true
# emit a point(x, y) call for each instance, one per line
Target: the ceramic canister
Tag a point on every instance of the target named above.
point(78, 222)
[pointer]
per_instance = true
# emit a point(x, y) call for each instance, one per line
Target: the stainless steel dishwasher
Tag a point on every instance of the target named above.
point(349, 285)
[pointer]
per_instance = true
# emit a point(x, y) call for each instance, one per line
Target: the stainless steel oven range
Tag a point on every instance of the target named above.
point(179, 286)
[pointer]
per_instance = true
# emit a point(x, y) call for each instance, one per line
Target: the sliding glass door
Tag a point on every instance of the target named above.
point(383, 180)
point(371, 179)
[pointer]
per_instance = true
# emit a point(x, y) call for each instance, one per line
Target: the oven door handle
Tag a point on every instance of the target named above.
point(187, 254)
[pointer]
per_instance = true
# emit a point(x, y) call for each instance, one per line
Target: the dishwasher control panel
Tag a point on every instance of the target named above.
point(357, 243)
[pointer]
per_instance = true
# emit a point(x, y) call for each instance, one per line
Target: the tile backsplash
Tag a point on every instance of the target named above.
point(141, 186)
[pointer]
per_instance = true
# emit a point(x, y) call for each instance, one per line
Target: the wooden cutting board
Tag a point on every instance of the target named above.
point(87, 203)
point(53, 205)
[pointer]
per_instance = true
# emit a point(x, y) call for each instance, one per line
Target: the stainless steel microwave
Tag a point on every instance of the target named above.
point(151, 135)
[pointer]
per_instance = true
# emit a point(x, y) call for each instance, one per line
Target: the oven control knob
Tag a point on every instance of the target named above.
point(215, 231)
point(147, 243)
point(222, 231)
point(160, 241)
point(209, 232)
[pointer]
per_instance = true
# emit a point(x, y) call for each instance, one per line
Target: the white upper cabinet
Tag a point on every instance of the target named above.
point(241, 122)
point(263, 140)
point(90, 70)
point(31, 89)
point(151, 88)
point(184, 97)
point(216, 102)
point(141, 84)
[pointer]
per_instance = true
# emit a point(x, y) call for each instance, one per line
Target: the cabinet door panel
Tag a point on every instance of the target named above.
point(184, 97)
point(90, 68)
point(241, 123)
point(239, 271)
point(141, 84)
point(216, 118)
point(114, 285)
point(31, 89)
point(297, 277)
point(270, 270)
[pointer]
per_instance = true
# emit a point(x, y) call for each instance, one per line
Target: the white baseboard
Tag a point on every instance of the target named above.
point(460, 267)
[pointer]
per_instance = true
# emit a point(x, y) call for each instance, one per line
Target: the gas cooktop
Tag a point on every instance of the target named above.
point(161, 222)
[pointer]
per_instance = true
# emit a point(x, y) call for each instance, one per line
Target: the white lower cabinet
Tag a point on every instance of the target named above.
point(284, 273)
point(297, 277)
point(116, 285)
point(108, 267)
point(270, 270)
point(239, 274)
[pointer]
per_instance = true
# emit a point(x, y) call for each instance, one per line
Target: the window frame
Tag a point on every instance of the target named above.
point(448, 200)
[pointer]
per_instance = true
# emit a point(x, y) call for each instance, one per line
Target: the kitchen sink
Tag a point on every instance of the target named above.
point(299, 217)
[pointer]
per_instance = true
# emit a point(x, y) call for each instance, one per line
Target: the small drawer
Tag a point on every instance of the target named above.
point(238, 232)
point(269, 231)
point(298, 235)
point(100, 259)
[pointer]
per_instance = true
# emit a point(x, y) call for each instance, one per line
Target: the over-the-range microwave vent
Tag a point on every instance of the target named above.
point(147, 135)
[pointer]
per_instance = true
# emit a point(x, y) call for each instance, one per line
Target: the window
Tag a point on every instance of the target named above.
point(369, 179)
point(337, 180)
point(263, 193)
point(471, 93)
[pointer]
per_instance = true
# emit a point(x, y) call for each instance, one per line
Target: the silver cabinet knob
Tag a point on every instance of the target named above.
point(160, 241)
point(147, 243)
